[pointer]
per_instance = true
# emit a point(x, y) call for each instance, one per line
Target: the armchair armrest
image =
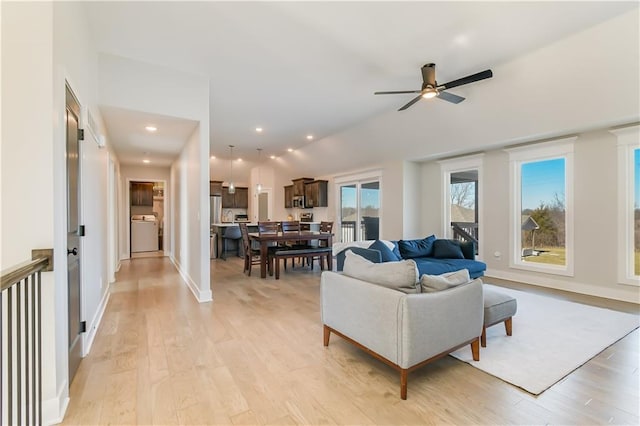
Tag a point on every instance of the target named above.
point(433, 323)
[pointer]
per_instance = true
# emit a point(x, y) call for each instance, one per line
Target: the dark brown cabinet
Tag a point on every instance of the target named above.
point(215, 187)
point(141, 193)
point(239, 200)
point(316, 194)
point(298, 186)
point(288, 196)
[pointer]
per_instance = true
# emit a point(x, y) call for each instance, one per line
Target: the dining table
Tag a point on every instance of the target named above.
point(269, 238)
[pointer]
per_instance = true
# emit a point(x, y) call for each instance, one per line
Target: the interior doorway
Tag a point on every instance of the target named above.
point(147, 219)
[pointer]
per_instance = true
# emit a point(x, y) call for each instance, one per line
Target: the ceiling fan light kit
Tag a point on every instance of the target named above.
point(431, 89)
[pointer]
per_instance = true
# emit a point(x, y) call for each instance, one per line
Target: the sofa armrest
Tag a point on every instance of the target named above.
point(433, 323)
point(468, 249)
point(362, 311)
point(371, 255)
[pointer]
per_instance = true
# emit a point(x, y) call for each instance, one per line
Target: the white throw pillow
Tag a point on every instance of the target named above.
point(431, 283)
point(401, 276)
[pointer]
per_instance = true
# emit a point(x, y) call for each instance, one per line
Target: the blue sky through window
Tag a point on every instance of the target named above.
point(541, 180)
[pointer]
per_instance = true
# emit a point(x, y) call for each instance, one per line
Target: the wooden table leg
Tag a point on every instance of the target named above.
point(330, 255)
point(264, 258)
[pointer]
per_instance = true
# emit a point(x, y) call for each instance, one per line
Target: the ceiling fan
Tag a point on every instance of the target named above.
point(431, 89)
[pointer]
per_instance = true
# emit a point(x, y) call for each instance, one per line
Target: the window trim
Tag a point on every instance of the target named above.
point(460, 164)
point(628, 142)
point(557, 148)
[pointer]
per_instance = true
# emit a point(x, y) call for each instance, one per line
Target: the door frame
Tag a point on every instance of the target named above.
point(127, 222)
point(358, 179)
point(255, 206)
point(461, 164)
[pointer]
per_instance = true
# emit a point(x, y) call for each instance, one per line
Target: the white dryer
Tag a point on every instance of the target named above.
point(144, 233)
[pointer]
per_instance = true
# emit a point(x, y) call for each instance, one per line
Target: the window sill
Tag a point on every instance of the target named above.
point(543, 268)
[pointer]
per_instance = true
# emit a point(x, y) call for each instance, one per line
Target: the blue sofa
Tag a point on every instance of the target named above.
point(433, 256)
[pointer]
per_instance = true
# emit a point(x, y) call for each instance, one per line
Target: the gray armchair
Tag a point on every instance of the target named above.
point(405, 331)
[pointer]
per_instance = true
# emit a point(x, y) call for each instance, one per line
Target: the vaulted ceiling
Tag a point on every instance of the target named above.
point(310, 68)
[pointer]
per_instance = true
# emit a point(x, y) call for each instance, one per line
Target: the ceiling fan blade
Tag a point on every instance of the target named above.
point(450, 97)
point(429, 74)
point(397, 92)
point(411, 102)
point(466, 80)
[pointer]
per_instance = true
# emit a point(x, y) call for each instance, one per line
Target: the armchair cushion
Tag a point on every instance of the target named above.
point(431, 283)
point(401, 276)
point(385, 252)
point(416, 248)
point(447, 249)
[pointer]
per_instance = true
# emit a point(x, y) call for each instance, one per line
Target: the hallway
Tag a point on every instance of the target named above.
point(255, 356)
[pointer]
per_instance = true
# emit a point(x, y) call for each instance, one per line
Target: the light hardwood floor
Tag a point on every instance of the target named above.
point(255, 356)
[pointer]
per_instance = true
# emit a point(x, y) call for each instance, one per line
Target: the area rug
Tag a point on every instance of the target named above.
point(551, 338)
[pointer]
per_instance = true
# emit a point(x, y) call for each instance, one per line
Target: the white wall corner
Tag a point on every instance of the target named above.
point(54, 409)
point(201, 296)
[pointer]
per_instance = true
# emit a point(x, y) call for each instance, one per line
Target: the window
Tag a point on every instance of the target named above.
point(541, 207)
point(359, 206)
point(628, 205)
point(462, 198)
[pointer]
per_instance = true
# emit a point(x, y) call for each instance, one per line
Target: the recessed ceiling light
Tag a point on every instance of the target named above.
point(239, 159)
point(213, 157)
point(146, 161)
point(272, 157)
point(259, 129)
point(309, 137)
point(290, 149)
point(151, 128)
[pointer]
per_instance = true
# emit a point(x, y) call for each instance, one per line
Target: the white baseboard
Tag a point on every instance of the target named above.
point(54, 409)
point(616, 292)
point(95, 323)
point(201, 296)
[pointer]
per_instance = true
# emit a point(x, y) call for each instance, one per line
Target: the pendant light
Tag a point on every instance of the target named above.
point(232, 187)
point(259, 185)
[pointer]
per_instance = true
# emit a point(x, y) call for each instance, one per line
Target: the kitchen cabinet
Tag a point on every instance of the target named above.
point(242, 198)
point(288, 196)
point(298, 186)
point(316, 194)
point(215, 187)
point(239, 200)
point(141, 194)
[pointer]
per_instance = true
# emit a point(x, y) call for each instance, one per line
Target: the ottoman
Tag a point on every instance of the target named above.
point(498, 307)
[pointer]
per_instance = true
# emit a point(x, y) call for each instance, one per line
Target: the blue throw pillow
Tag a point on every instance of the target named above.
point(447, 249)
point(385, 252)
point(410, 249)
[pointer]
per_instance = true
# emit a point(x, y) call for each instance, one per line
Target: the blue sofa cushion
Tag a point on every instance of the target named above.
point(447, 249)
point(410, 249)
point(433, 266)
point(370, 254)
point(385, 252)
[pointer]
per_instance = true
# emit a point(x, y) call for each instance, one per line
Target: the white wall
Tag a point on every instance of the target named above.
point(189, 184)
point(28, 190)
point(44, 45)
point(595, 219)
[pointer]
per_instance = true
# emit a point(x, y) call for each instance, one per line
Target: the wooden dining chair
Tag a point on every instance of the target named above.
point(251, 255)
point(326, 227)
point(269, 228)
point(292, 228)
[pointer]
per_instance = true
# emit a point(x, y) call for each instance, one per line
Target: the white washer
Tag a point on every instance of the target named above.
point(144, 235)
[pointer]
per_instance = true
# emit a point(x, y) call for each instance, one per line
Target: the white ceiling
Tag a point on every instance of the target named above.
point(298, 68)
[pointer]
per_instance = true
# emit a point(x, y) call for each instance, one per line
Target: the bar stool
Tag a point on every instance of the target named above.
point(231, 233)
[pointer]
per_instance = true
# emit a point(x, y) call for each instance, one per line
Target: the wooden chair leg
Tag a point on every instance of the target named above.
point(508, 324)
point(475, 349)
point(275, 259)
point(327, 334)
point(403, 383)
point(483, 337)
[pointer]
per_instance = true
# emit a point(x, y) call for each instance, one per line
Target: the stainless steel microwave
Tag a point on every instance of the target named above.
point(298, 201)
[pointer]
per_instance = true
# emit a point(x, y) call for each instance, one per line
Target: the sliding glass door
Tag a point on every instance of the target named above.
point(359, 210)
